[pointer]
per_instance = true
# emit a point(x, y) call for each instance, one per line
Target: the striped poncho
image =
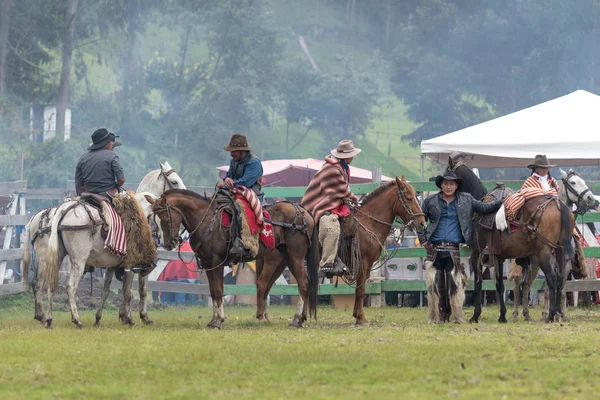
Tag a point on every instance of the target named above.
point(327, 189)
point(531, 188)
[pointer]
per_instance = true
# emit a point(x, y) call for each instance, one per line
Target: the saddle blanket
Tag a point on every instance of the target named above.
point(116, 241)
point(265, 232)
point(514, 201)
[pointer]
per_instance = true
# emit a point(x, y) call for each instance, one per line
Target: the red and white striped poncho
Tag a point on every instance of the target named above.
point(531, 188)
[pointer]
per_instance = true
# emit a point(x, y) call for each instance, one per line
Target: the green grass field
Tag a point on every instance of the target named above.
point(397, 356)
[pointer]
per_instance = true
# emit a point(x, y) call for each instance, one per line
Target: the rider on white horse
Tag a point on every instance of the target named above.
point(99, 171)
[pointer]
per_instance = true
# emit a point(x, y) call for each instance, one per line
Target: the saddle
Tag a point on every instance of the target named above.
point(94, 199)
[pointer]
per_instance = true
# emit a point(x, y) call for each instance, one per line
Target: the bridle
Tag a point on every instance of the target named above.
point(174, 237)
point(581, 209)
point(165, 176)
point(412, 216)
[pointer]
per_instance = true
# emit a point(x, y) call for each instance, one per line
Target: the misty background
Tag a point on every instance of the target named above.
point(175, 78)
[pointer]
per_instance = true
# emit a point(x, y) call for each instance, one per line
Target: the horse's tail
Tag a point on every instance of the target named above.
point(565, 219)
point(52, 264)
point(313, 257)
point(27, 257)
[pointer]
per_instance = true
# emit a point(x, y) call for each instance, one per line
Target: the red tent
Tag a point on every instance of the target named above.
point(177, 270)
point(283, 173)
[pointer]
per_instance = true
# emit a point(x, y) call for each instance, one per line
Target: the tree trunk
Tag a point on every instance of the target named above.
point(65, 74)
point(4, 25)
point(178, 102)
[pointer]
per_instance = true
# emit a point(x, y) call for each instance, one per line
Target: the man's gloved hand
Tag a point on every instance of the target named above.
point(229, 183)
point(428, 246)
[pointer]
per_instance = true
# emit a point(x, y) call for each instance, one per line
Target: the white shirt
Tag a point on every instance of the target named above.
point(543, 180)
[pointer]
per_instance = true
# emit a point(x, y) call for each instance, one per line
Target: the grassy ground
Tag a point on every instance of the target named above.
point(397, 356)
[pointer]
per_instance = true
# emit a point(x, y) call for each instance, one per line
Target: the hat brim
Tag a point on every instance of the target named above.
point(235, 148)
point(439, 179)
point(534, 166)
point(341, 155)
point(99, 145)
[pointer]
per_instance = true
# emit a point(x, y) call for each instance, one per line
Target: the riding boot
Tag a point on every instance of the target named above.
point(119, 272)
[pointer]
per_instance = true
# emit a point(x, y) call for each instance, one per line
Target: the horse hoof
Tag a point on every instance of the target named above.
point(215, 324)
point(474, 320)
point(296, 323)
point(527, 317)
point(48, 323)
point(79, 324)
point(97, 324)
point(263, 318)
point(502, 320)
point(360, 322)
point(147, 321)
point(41, 318)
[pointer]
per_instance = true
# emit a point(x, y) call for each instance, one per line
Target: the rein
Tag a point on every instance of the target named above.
point(165, 176)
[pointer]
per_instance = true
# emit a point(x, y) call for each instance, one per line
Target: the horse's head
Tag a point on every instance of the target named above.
point(170, 218)
point(577, 191)
point(170, 177)
point(407, 207)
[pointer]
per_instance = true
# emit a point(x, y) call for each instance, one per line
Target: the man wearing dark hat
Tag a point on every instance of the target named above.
point(245, 169)
point(450, 215)
point(327, 197)
point(99, 171)
point(540, 176)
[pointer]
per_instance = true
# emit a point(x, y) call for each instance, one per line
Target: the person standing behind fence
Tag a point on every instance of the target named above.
point(450, 215)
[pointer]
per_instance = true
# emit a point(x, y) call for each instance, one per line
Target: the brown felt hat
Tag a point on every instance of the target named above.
point(540, 161)
point(237, 142)
point(345, 149)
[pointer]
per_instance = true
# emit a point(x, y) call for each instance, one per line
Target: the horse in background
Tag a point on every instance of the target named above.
point(36, 254)
point(544, 230)
point(574, 192)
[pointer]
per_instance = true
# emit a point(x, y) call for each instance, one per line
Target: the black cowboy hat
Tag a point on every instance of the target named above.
point(540, 161)
point(448, 176)
point(101, 137)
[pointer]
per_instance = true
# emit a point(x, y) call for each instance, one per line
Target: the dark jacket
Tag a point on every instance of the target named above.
point(99, 171)
point(466, 205)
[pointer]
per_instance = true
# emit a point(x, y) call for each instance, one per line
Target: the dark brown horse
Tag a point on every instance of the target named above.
point(374, 220)
point(294, 231)
point(544, 230)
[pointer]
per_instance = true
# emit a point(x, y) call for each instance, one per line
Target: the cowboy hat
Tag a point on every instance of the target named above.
point(448, 176)
point(101, 137)
point(345, 149)
point(540, 161)
point(237, 142)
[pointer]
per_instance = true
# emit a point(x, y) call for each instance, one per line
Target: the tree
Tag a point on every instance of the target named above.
point(5, 9)
point(65, 75)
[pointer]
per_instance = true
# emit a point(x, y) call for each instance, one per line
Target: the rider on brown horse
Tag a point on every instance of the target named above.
point(326, 198)
point(540, 176)
point(450, 215)
point(245, 169)
point(99, 171)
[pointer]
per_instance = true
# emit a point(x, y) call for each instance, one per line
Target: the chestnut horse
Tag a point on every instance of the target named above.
point(375, 217)
point(295, 239)
point(544, 230)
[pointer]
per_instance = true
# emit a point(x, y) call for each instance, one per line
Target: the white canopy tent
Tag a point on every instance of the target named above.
point(566, 129)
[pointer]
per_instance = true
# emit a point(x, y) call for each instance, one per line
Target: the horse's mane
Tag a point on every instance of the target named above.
point(369, 197)
point(186, 192)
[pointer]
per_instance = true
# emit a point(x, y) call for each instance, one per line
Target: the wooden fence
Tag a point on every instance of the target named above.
point(16, 218)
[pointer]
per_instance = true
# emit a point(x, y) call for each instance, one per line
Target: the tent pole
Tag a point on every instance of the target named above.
point(422, 167)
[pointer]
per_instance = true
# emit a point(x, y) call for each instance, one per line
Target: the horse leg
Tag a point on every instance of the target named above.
point(143, 291)
point(125, 309)
point(38, 286)
point(269, 272)
point(531, 274)
point(296, 265)
point(105, 292)
point(551, 278)
point(215, 280)
point(517, 297)
point(477, 276)
point(359, 312)
point(77, 268)
point(500, 289)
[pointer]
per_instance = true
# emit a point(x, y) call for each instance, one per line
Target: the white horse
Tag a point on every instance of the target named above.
point(154, 183)
point(574, 192)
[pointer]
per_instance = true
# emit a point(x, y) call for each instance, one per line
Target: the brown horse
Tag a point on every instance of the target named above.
point(295, 238)
point(544, 230)
point(374, 219)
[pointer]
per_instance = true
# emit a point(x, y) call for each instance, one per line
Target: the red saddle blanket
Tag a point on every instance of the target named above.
point(265, 231)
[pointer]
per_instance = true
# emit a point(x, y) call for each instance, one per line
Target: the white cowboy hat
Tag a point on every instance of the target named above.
point(345, 149)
